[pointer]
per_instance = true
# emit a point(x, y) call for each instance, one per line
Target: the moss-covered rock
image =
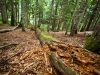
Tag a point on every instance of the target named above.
point(93, 44)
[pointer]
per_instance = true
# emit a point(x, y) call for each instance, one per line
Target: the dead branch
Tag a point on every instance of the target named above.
point(14, 55)
point(45, 56)
point(7, 30)
point(5, 46)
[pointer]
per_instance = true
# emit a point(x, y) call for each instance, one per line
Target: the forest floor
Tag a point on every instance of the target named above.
point(25, 56)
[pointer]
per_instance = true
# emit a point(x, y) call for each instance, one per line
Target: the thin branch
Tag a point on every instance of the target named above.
point(7, 30)
point(4, 46)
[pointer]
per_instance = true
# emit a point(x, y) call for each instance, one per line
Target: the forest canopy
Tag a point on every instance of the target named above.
point(55, 15)
point(52, 15)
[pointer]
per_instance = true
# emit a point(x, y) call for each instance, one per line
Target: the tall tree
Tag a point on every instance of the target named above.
point(50, 15)
point(93, 14)
point(73, 16)
point(3, 11)
point(35, 12)
point(55, 16)
point(23, 14)
point(79, 17)
point(61, 15)
point(13, 21)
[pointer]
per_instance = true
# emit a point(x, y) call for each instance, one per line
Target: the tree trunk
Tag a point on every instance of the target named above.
point(18, 12)
point(35, 14)
point(73, 17)
point(97, 20)
point(13, 22)
point(60, 16)
point(55, 17)
point(3, 11)
point(79, 17)
point(60, 68)
point(23, 15)
point(92, 16)
point(50, 15)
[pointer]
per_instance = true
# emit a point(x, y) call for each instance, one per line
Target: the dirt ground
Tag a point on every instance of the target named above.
point(26, 56)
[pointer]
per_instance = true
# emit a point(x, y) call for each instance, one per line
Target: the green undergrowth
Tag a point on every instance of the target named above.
point(92, 44)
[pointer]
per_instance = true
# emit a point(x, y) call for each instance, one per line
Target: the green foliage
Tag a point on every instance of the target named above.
point(92, 44)
point(0, 21)
point(44, 8)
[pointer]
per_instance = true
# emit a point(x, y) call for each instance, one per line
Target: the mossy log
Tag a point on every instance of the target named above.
point(44, 37)
point(70, 57)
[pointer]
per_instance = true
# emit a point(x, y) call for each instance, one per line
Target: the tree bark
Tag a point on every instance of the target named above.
point(13, 22)
point(3, 11)
point(92, 15)
point(55, 17)
point(60, 16)
point(73, 17)
point(50, 15)
point(60, 67)
point(79, 17)
point(23, 15)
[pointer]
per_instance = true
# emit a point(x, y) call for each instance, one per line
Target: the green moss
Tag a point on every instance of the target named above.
point(92, 44)
point(44, 35)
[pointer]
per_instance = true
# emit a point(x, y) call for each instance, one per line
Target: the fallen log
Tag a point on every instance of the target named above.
point(60, 66)
point(82, 61)
point(44, 37)
point(7, 30)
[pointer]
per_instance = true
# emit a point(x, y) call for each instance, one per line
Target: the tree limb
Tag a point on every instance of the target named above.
point(7, 30)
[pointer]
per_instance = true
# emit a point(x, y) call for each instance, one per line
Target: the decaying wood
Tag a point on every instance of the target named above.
point(82, 61)
point(4, 46)
point(7, 30)
point(60, 66)
point(44, 40)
